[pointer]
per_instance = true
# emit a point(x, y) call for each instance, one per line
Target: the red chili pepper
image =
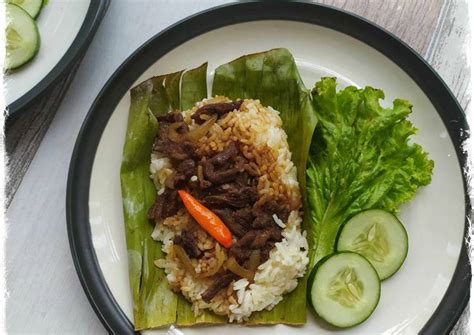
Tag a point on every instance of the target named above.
point(207, 219)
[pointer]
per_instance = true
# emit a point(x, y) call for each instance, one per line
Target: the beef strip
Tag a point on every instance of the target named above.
point(218, 176)
point(273, 207)
point(234, 226)
point(247, 240)
point(225, 155)
point(262, 220)
point(187, 241)
point(166, 204)
point(274, 233)
point(240, 254)
point(185, 170)
point(264, 214)
point(170, 117)
point(183, 128)
point(219, 283)
point(243, 179)
point(217, 169)
point(204, 184)
point(233, 198)
point(244, 216)
point(260, 239)
point(179, 151)
point(218, 108)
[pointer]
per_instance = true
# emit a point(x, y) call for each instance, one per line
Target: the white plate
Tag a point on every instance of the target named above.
point(59, 23)
point(434, 219)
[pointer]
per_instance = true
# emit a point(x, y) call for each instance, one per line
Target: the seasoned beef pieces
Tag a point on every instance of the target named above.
point(175, 150)
point(238, 221)
point(262, 240)
point(229, 218)
point(166, 204)
point(225, 155)
point(217, 169)
point(262, 220)
point(264, 214)
point(220, 283)
point(221, 176)
point(184, 171)
point(219, 109)
point(179, 151)
point(237, 198)
point(170, 117)
point(187, 241)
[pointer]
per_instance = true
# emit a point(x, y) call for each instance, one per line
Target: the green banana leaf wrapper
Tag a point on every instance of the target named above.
point(270, 76)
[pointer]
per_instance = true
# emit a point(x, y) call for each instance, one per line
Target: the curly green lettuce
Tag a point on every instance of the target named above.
point(361, 157)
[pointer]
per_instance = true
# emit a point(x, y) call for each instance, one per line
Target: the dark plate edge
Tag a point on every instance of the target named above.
point(94, 15)
point(111, 315)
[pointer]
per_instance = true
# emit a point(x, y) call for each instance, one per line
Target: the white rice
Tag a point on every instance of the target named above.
point(287, 260)
point(277, 276)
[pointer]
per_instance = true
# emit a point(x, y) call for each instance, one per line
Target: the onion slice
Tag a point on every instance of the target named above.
point(233, 266)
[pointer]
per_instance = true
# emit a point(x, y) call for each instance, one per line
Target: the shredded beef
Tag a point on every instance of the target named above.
point(166, 204)
point(240, 254)
point(219, 176)
point(218, 108)
point(170, 117)
point(228, 217)
point(264, 214)
point(179, 151)
point(262, 220)
point(227, 184)
point(244, 216)
point(186, 169)
point(247, 240)
point(220, 283)
point(187, 241)
point(225, 155)
point(233, 198)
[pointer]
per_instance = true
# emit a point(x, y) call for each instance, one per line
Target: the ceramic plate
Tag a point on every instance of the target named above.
point(429, 292)
point(66, 28)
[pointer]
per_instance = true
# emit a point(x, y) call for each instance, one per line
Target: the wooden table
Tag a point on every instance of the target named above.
point(45, 295)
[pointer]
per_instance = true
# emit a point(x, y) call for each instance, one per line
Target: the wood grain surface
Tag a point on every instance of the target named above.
point(24, 135)
point(447, 55)
point(37, 249)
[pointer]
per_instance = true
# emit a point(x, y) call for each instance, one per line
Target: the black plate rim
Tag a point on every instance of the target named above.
point(95, 12)
point(85, 260)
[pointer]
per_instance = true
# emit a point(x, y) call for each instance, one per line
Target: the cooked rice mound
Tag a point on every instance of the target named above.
point(258, 132)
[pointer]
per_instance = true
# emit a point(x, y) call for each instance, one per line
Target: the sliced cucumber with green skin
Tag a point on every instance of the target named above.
point(343, 289)
point(32, 7)
point(22, 37)
point(379, 236)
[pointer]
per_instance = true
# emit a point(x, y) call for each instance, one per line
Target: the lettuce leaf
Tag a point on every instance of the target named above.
point(361, 157)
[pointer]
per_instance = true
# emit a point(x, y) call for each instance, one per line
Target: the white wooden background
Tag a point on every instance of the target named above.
point(45, 295)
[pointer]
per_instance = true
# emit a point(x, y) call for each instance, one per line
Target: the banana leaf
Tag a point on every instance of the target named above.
point(270, 76)
point(273, 78)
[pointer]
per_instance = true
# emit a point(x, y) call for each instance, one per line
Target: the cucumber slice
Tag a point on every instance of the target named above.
point(344, 289)
point(379, 236)
point(22, 37)
point(32, 7)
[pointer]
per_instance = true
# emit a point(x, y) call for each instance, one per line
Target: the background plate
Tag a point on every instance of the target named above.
point(66, 27)
point(435, 220)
